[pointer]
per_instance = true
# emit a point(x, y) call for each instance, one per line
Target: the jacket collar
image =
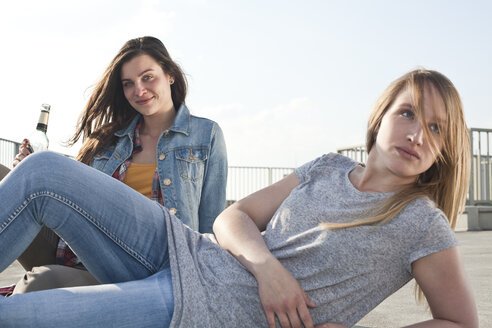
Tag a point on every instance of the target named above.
point(181, 123)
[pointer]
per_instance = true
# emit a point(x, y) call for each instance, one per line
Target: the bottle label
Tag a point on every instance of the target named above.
point(43, 121)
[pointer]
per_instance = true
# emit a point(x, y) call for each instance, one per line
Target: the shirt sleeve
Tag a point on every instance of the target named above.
point(213, 196)
point(303, 171)
point(437, 236)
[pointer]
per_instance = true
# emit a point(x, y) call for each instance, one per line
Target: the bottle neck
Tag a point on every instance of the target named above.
point(43, 121)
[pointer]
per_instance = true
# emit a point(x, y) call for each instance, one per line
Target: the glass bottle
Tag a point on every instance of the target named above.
point(39, 140)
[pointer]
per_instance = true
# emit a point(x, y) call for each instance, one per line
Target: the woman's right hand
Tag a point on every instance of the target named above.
point(23, 152)
point(238, 230)
point(283, 297)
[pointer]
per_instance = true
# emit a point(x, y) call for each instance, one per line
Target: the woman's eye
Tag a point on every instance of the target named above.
point(408, 114)
point(434, 128)
point(127, 84)
point(147, 77)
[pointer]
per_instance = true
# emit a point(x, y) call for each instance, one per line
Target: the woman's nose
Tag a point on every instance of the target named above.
point(139, 89)
point(416, 134)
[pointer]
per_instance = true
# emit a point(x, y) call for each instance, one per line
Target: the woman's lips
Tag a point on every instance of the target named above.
point(407, 153)
point(144, 101)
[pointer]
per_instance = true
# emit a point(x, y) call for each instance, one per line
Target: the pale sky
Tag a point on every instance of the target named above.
point(286, 80)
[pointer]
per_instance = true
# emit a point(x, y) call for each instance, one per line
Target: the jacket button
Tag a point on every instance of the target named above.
point(172, 210)
point(167, 181)
point(166, 134)
point(162, 157)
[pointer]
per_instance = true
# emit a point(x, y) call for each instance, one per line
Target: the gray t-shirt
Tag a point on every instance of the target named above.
point(346, 272)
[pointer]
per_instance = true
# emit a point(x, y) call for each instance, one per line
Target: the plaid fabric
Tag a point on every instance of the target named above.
point(64, 255)
point(7, 291)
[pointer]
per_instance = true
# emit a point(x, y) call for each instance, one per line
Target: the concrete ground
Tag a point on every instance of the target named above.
point(400, 309)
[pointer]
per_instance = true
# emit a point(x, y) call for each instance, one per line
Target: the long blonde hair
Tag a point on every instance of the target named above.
point(446, 181)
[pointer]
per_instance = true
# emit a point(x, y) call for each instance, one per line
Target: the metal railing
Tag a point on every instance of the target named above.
point(245, 180)
point(481, 167)
point(480, 191)
point(8, 150)
point(242, 180)
point(357, 153)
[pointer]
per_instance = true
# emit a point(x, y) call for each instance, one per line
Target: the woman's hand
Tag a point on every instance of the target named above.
point(281, 295)
point(23, 152)
point(238, 230)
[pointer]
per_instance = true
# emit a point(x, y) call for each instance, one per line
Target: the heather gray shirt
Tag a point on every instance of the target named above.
point(346, 272)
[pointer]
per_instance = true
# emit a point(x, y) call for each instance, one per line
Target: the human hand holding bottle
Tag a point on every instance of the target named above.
point(25, 149)
point(38, 139)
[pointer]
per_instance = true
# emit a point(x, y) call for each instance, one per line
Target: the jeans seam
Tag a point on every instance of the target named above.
point(85, 215)
point(14, 215)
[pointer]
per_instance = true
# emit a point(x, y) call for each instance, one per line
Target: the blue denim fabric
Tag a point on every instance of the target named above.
point(92, 212)
point(142, 303)
point(192, 164)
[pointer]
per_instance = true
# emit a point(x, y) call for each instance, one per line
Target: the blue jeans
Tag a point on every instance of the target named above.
point(118, 234)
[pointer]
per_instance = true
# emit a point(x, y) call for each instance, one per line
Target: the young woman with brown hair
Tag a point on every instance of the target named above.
point(137, 128)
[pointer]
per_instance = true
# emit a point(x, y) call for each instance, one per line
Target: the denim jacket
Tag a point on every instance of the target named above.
point(192, 165)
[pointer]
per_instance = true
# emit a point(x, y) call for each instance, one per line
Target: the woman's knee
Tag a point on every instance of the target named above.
point(38, 164)
point(43, 159)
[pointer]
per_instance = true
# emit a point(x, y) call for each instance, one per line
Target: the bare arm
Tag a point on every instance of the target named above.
point(242, 222)
point(442, 279)
point(237, 230)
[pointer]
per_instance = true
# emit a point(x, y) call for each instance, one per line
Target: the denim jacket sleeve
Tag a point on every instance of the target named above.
point(213, 198)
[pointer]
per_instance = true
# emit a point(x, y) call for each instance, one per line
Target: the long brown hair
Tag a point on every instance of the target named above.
point(107, 110)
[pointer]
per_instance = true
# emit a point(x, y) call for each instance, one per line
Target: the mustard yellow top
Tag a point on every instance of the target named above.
point(139, 177)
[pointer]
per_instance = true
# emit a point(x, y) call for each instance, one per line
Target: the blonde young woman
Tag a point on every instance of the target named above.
point(322, 247)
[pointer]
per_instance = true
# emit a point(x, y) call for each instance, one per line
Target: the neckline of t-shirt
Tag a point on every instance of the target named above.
point(144, 165)
point(351, 187)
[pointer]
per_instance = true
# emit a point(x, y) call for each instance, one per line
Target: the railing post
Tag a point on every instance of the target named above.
point(487, 169)
point(471, 189)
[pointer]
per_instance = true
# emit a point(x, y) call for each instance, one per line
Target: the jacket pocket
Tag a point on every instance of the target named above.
point(191, 163)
